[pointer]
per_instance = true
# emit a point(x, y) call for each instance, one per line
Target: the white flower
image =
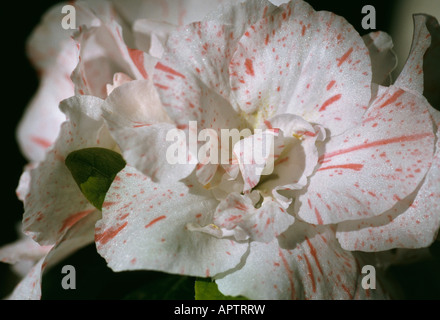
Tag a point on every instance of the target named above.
point(350, 153)
point(356, 163)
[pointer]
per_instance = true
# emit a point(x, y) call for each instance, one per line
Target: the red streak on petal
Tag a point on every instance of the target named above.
point(107, 204)
point(138, 59)
point(249, 67)
point(161, 86)
point(164, 68)
point(344, 57)
point(268, 124)
point(154, 221)
point(41, 142)
point(313, 253)
point(318, 217)
point(392, 99)
point(330, 101)
point(303, 31)
point(310, 273)
point(376, 144)
point(240, 206)
point(109, 234)
point(71, 220)
point(351, 166)
point(331, 84)
point(347, 290)
point(289, 273)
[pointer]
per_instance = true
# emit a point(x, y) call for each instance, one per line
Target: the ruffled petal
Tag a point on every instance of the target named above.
point(302, 62)
point(305, 262)
point(103, 53)
point(78, 236)
point(140, 126)
point(299, 156)
point(145, 226)
point(383, 58)
point(412, 223)
point(367, 170)
point(411, 77)
point(185, 69)
point(54, 202)
point(261, 224)
point(256, 155)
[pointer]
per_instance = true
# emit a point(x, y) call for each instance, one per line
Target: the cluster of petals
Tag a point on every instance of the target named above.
point(355, 155)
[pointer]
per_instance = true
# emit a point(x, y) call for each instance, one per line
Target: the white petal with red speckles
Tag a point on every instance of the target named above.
point(367, 170)
point(145, 226)
point(383, 58)
point(304, 263)
point(306, 63)
point(78, 236)
point(54, 201)
point(412, 223)
point(186, 70)
point(262, 224)
point(411, 77)
point(139, 124)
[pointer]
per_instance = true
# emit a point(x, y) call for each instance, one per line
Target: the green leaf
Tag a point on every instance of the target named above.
point(94, 170)
point(207, 289)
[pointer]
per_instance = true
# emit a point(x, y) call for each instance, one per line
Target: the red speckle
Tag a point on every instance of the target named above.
point(392, 99)
point(310, 273)
point(330, 101)
point(74, 218)
point(318, 217)
point(109, 234)
point(137, 56)
point(249, 67)
point(314, 254)
point(331, 84)
point(344, 57)
point(289, 273)
point(154, 221)
point(351, 166)
point(162, 67)
point(41, 142)
point(375, 144)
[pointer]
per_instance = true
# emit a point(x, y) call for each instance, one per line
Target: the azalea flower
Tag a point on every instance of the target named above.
point(355, 159)
point(356, 163)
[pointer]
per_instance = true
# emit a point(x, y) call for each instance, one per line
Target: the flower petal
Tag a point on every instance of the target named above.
point(103, 53)
point(304, 263)
point(411, 77)
point(412, 223)
point(367, 170)
point(54, 201)
point(303, 62)
point(178, 12)
point(383, 58)
point(144, 226)
point(80, 235)
point(261, 224)
point(300, 155)
point(256, 155)
point(185, 67)
point(138, 122)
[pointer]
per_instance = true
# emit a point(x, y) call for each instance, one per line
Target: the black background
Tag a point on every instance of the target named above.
point(19, 83)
